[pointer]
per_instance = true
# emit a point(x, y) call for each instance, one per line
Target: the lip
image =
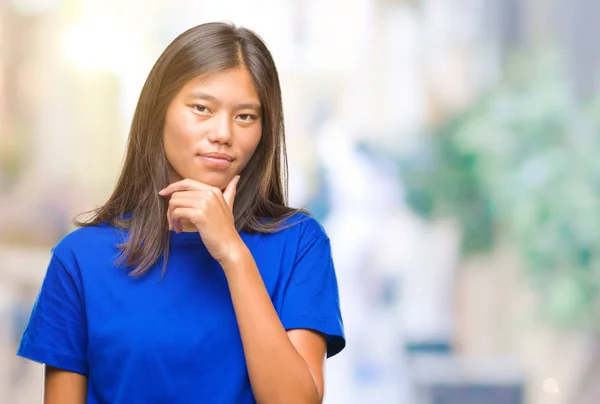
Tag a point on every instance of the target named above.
point(220, 156)
point(217, 159)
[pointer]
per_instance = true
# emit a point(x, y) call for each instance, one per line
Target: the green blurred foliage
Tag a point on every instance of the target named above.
point(523, 165)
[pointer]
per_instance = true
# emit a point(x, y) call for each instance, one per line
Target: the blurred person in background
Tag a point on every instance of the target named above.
point(172, 292)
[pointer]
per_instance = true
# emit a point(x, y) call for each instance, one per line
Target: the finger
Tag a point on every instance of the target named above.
point(175, 219)
point(182, 199)
point(195, 201)
point(184, 185)
point(183, 196)
point(230, 191)
point(177, 226)
point(174, 222)
point(170, 219)
point(180, 214)
point(192, 199)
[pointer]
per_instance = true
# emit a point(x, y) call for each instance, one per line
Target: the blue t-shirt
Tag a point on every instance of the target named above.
point(173, 339)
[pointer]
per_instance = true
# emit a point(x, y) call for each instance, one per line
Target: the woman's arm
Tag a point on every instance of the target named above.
point(284, 367)
point(64, 387)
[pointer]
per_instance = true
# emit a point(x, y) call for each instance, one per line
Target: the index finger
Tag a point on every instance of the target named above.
point(184, 185)
point(231, 190)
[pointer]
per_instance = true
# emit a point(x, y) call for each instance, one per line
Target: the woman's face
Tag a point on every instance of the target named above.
point(212, 127)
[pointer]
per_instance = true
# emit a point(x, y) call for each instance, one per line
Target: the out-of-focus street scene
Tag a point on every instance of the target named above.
point(449, 148)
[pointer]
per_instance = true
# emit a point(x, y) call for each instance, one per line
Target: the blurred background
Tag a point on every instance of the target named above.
point(449, 147)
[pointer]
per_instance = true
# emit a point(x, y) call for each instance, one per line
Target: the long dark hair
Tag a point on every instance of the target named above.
point(261, 200)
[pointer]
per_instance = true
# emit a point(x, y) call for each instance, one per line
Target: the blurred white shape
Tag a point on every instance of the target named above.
point(98, 42)
point(362, 199)
point(298, 190)
point(35, 6)
point(427, 311)
point(353, 180)
point(270, 19)
point(400, 98)
point(550, 386)
point(337, 34)
point(385, 95)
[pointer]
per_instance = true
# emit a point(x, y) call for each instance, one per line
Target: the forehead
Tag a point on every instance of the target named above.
point(227, 84)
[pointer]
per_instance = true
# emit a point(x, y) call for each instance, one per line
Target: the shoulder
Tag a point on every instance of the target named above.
point(303, 226)
point(295, 233)
point(304, 233)
point(87, 240)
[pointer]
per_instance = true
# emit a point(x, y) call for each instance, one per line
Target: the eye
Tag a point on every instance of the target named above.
point(201, 109)
point(247, 117)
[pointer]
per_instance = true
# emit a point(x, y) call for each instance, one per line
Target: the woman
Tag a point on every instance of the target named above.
point(194, 283)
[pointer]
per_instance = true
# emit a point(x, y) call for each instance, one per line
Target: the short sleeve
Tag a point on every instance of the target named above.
point(311, 298)
point(56, 333)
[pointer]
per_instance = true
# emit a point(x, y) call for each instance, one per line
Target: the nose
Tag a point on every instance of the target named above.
point(221, 132)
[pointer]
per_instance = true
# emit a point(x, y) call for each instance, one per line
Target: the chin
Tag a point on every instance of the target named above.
point(217, 180)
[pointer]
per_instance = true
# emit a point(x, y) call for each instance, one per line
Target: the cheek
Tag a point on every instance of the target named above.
point(177, 138)
point(250, 143)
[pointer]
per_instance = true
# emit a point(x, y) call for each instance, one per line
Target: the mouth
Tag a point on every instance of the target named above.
point(217, 159)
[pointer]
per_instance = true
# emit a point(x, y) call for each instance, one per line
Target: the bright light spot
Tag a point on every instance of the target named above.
point(36, 6)
point(550, 386)
point(96, 44)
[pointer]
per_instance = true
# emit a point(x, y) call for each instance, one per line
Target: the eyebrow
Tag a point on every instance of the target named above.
point(207, 97)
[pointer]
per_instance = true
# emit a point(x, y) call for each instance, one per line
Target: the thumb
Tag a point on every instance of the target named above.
point(230, 190)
